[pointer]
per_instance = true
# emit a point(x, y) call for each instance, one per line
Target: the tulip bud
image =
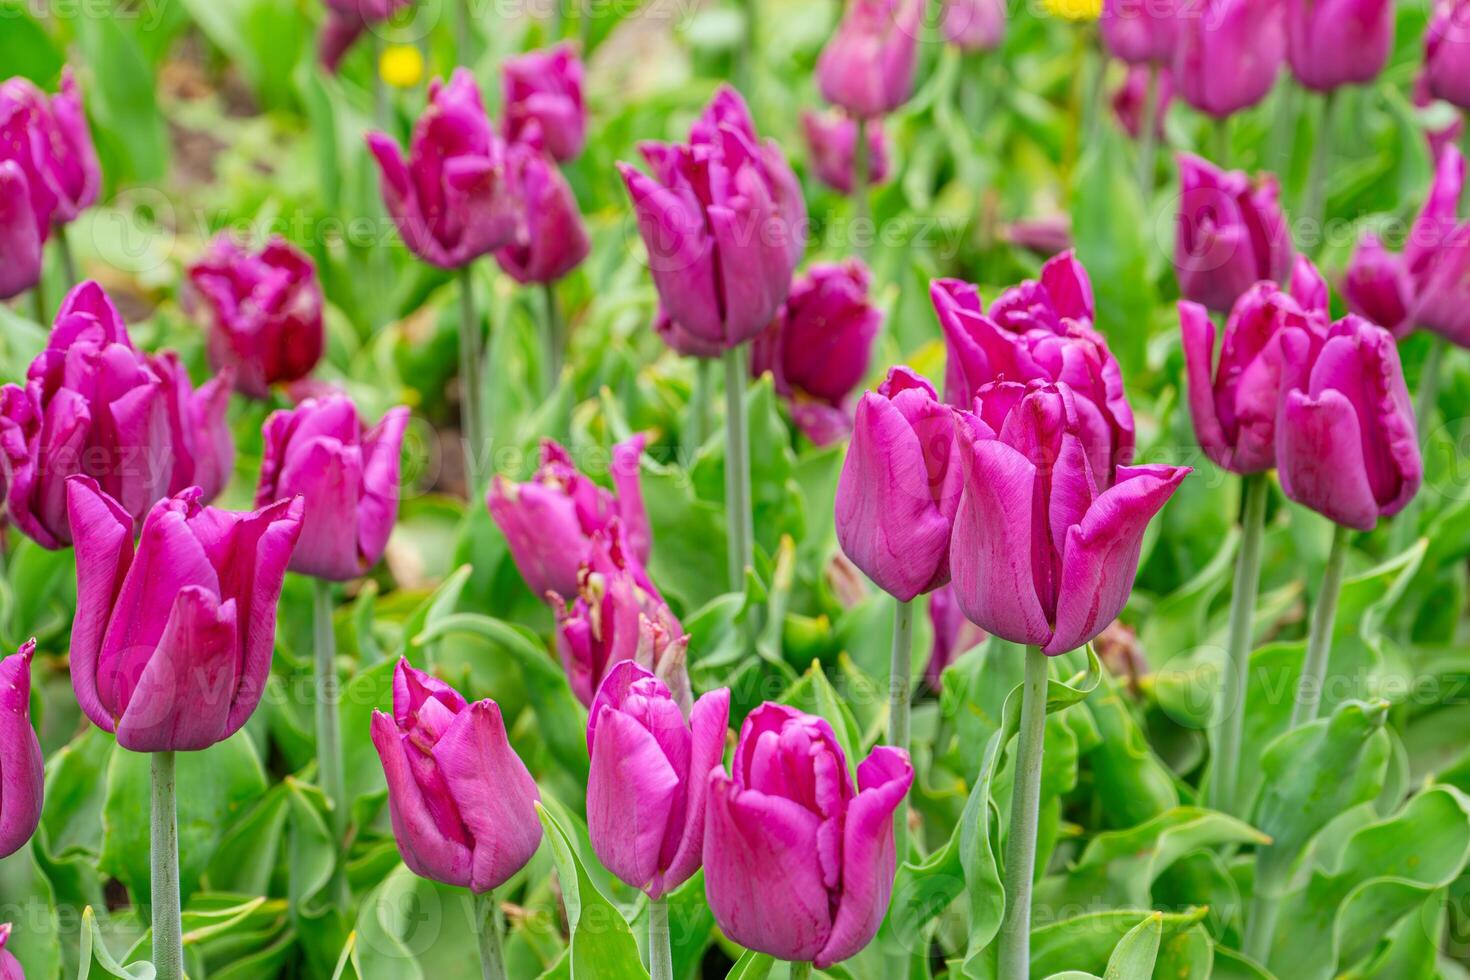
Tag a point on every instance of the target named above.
point(649, 778)
point(452, 200)
point(898, 491)
point(346, 478)
point(173, 637)
point(1045, 549)
point(20, 238)
point(1338, 42)
point(798, 862)
point(1229, 53)
point(973, 25)
point(1141, 32)
point(1346, 444)
point(954, 635)
point(552, 241)
point(21, 777)
point(1377, 286)
point(264, 309)
point(49, 139)
point(832, 141)
point(1128, 101)
point(549, 521)
point(544, 88)
point(1230, 233)
point(462, 802)
point(867, 67)
point(1446, 54)
point(335, 38)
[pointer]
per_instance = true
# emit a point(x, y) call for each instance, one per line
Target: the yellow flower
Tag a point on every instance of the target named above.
point(1078, 10)
point(402, 65)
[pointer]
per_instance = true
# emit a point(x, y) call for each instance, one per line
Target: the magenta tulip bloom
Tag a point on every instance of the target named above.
point(867, 67)
point(1128, 101)
point(1447, 52)
point(1046, 547)
point(1229, 53)
point(723, 223)
point(798, 862)
point(551, 241)
point(264, 311)
point(549, 521)
point(954, 635)
point(897, 495)
point(94, 404)
point(20, 238)
point(21, 777)
point(1377, 286)
point(1230, 233)
point(1141, 32)
point(346, 477)
point(544, 88)
point(973, 25)
point(173, 637)
point(452, 200)
point(1438, 256)
point(831, 140)
point(649, 778)
point(49, 139)
point(462, 802)
point(1338, 42)
point(1346, 444)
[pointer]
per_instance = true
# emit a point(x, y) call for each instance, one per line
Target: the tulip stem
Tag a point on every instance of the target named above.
point(1148, 137)
point(1319, 641)
point(1238, 645)
point(738, 520)
point(801, 971)
point(328, 745)
point(1221, 132)
point(1316, 202)
point(492, 959)
point(168, 929)
point(748, 51)
point(660, 954)
point(556, 340)
point(1020, 870)
point(38, 303)
point(63, 251)
point(380, 88)
point(470, 418)
point(900, 680)
point(464, 33)
point(861, 204)
point(698, 409)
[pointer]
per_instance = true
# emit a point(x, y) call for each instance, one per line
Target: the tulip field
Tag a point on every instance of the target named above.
point(684, 489)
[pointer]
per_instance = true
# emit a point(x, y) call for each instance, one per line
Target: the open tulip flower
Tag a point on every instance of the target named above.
point(1141, 32)
point(868, 65)
point(173, 637)
point(1229, 53)
point(1230, 233)
point(831, 139)
point(49, 140)
point(21, 777)
point(1338, 42)
point(1377, 286)
point(798, 861)
point(544, 89)
point(463, 804)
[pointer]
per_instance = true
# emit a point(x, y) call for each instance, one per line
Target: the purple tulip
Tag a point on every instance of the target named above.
point(1346, 445)
point(897, 495)
point(681, 341)
point(346, 21)
point(462, 802)
point(20, 238)
point(1229, 53)
point(1447, 52)
point(264, 310)
point(95, 404)
point(552, 241)
point(954, 635)
point(649, 778)
point(173, 637)
point(831, 139)
point(1141, 32)
point(545, 88)
point(1338, 42)
point(1230, 233)
point(867, 67)
point(1377, 286)
point(1438, 256)
point(452, 201)
point(49, 139)
point(723, 224)
point(549, 521)
point(973, 25)
point(1128, 101)
point(347, 479)
point(1032, 490)
point(21, 777)
point(798, 862)
point(1046, 235)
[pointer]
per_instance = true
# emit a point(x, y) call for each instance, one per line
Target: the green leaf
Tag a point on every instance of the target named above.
point(1087, 942)
point(97, 961)
point(440, 605)
point(130, 130)
point(751, 966)
point(1133, 958)
point(1130, 782)
point(25, 47)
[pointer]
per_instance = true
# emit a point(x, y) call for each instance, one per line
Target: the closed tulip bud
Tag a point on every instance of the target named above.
point(346, 477)
point(1377, 286)
point(1141, 32)
point(173, 637)
point(20, 238)
point(1447, 53)
point(831, 139)
point(1346, 443)
point(897, 495)
point(49, 139)
point(452, 200)
point(1046, 548)
point(1338, 42)
point(1229, 53)
point(544, 88)
point(799, 862)
point(973, 25)
point(954, 635)
point(463, 804)
point(549, 521)
point(867, 67)
point(96, 405)
point(649, 777)
point(1128, 101)
point(1230, 233)
point(264, 312)
point(551, 241)
point(21, 777)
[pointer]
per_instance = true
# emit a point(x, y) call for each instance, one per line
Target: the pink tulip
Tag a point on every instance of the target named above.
point(648, 783)
point(544, 88)
point(552, 241)
point(1230, 233)
point(20, 238)
point(1377, 286)
point(462, 802)
point(346, 477)
point(49, 139)
point(1128, 100)
point(831, 140)
point(173, 637)
point(1229, 53)
point(798, 862)
point(1045, 546)
point(21, 777)
point(1347, 446)
point(954, 635)
point(868, 65)
point(9, 966)
point(1331, 43)
point(1447, 54)
point(973, 25)
point(1141, 32)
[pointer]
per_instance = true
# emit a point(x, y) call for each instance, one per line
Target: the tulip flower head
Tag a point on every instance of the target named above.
point(551, 241)
point(1377, 286)
point(49, 140)
point(798, 861)
point(346, 21)
point(1447, 52)
point(649, 777)
point(1128, 100)
point(973, 25)
point(173, 636)
point(1230, 233)
point(1140, 32)
point(9, 966)
point(1229, 53)
point(868, 65)
point(463, 804)
point(21, 777)
point(1331, 43)
point(544, 89)
point(954, 635)
point(20, 237)
point(264, 310)
point(831, 139)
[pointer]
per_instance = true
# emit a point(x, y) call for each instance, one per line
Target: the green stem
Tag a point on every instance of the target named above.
point(63, 250)
point(1316, 201)
point(1020, 870)
point(584, 26)
point(1148, 137)
point(1426, 400)
point(750, 51)
point(660, 954)
point(801, 971)
point(698, 428)
point(464, 33)
point(862, 211)
point(1261, 926)
point(380, 88)
point(1238, 645)
point(168, 929)
point(492, 958)
point(470, 417)
point(556, 340)
point(328, 731)
point(1221, 134)
point(1319, 641)
point(900, 693)
point(739, 527)
point(38, 304)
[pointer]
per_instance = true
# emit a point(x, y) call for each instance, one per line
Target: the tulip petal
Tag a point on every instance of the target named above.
point(21, 777)
point(104, 552)
point(425, 849)
point(680, 255)
point(709, 722)
point(1198, 333)
point(543, 534)
point(20, 238)
point(1320, 458)
point(377, 510)
point(328, 475)
point(627, 481)
point(631, 792)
